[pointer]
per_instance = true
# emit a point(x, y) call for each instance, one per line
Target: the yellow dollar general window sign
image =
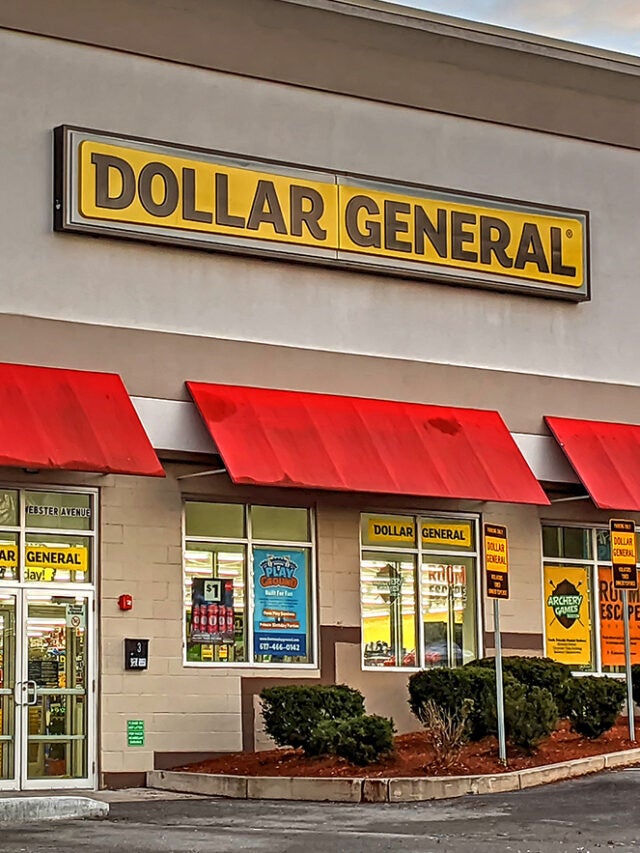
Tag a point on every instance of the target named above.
point(446, 534)
point(567, 615)
point(43, 562)
point(496, 560)
point(391, 530)
point(160, 192)
point(624, 556)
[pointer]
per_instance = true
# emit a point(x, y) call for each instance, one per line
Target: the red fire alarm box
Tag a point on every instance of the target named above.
point(125, 602)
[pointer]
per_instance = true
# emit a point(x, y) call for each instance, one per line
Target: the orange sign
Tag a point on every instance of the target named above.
point(611, 627)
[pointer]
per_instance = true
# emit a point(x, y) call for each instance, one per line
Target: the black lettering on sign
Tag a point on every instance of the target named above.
point(370, 235)
point(189, 210)
point(307, 207)
point(223, 217)
point(557, 267)
point(266, 208)
point(394, 226)
point(459, 236)
point(170, 189)
point(495, 245)
point(530, 249)
point(104, 163)
point(424, 227)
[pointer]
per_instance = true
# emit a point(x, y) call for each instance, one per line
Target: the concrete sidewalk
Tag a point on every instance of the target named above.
point(18, 807)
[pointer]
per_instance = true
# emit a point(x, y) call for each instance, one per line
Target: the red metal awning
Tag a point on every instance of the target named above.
point(72, 420)
point(319, 441)
point(606, 458)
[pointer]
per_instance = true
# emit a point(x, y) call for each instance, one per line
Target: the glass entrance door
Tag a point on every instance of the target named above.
point(55, 693)
point(8, 666)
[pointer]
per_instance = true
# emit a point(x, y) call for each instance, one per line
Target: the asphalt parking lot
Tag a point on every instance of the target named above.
point(586, 815)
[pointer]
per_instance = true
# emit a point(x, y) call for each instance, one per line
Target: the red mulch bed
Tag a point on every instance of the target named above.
point(415, 757)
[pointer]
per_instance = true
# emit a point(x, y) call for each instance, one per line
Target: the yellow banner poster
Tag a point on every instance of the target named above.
point(42, 562)
point(611, 625)
point(567, 615)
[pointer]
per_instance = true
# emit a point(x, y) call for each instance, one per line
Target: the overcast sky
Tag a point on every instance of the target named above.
point(612, 24)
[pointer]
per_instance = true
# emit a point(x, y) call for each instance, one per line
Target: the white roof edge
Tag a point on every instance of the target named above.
point(480, 33)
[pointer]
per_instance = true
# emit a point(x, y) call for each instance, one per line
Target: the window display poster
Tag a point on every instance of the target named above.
point(280, 602)
point(212, 616)
point(611, 624)
point(567, 615)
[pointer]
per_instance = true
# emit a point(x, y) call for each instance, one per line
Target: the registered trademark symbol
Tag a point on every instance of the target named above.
point(569, 233)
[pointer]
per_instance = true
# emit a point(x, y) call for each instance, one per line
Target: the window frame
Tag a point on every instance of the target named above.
point(247, 542)
point(592, 564)
point(23, 530)
point(418, 551)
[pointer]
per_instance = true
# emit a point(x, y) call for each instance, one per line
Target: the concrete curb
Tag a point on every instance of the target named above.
point(397, 790)
point(29, 809)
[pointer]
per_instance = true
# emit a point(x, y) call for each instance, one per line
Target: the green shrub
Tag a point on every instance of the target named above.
point(364, 740)
point(536, 672)
point(293, 713)
point(530, 715)
point(449, 688)
point(595, 704)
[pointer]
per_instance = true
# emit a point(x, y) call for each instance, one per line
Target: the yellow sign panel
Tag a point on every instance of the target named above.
point(496, 560)
point(611, 620)
point(42, 562)
point(481, 238)
point(392, 531)
point(624, 554)
point(120, 183)
point(445, 534)
point(161, 192)
point(567, 615)
point(8, 555)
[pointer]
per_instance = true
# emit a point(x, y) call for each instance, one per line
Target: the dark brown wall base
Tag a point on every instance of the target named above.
point(170, 760)
point(116, 781)
point(516, 642)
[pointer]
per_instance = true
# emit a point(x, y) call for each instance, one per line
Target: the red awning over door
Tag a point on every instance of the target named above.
point(606, 458)
point(320, 441)
point(72, 420)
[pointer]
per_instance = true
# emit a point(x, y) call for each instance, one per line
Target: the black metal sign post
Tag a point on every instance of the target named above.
point(496, 561)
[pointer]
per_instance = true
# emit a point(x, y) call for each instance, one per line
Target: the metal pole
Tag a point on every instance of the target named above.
point(627, 664)
point(502, 743)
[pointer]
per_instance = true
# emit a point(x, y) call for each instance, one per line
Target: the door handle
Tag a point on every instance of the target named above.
point(29, 701)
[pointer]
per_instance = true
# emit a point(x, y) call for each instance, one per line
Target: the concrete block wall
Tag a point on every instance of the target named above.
point(184, 709)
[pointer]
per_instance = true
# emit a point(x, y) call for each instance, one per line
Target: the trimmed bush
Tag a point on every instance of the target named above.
point(530, 715)
point(449, 688)
point(364, 740)
point(536, 672)
point(595, 704)
point(293, 713)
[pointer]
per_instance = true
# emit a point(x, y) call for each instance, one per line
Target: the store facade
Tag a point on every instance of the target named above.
point(277, 338)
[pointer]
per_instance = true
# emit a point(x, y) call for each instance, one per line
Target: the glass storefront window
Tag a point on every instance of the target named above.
point(389, 627)
point(223, 521)
point(248, 601)
point(46, 536)
point(449, 618)
point(431, 571)
point(583, 611)
point(59, 510)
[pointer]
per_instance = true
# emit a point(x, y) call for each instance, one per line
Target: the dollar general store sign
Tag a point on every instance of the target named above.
point(159, 192)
